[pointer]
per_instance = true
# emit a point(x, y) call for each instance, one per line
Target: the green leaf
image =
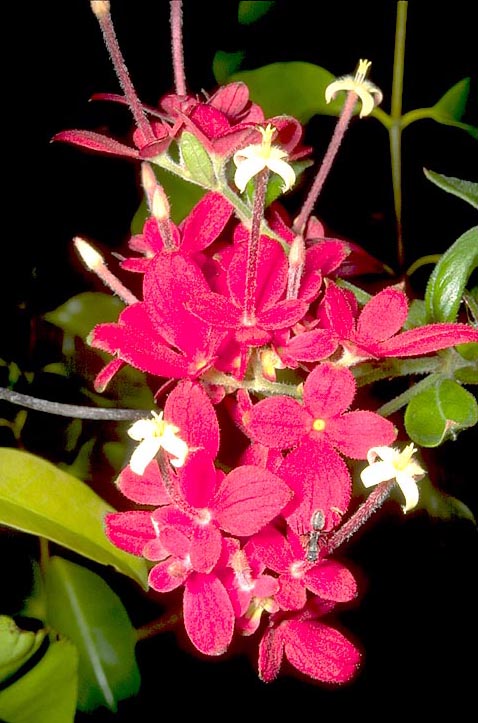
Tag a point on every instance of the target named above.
point(449, 277)
point(440, 412)
point(197, 161)
point(451, 107)
point(38, 498)
point(249, 11)
point(295, 88)
point(82, 312)
point(81, 606)
point(185, 195)
point(47, 693)
point(439, 504)
point(224, 64)
point(466, 190)
point(16, 646)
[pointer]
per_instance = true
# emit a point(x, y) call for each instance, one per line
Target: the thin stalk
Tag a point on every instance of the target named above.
point(395, 129)
point(176, 18)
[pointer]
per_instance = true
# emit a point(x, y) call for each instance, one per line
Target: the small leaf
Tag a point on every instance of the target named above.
point(466, 190)
point(82, 312)
point(295, 88)
point(249, 11)
point(440, 412)
point(224, 64)
point(441, 505)
point(47, 693)
point(16, 646)
point(451, 107)
point(38, 498)
point(81, 606)
point(197, 161)
point(449, 277)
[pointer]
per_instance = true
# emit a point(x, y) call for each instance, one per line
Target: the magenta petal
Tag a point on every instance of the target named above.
point(231, 98)
point(292, 593)
point(332, 581)
point(328, 390)
point(96, 142)
point(310, 346)
point(282, 315)
point(354, 433)
point(272, 549)
point(271, 272)
point(215, 309)
point(208, 614)
point(146, 489)
point(130, 530)
point(206, 546)
point(426, 339)
point(175, 542)
point(382, 316)
point(279, 422)
point(321, 481)
point(248, 498)
point(198, 479)
point(168, 575)
point(336, 311)
point(189, 408)
point(205, 222)
point(271, 651)
point(320, 652)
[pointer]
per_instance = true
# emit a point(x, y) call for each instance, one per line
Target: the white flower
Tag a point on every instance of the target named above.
point(394, 464)
point(368, 93)
point(251, 160)
point(152, 435)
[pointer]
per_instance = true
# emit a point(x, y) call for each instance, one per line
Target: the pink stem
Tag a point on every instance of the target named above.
point(176, 18)
point(253, 247)
point(336, 140)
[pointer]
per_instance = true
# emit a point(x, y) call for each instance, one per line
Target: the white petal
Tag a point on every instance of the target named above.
point(284, 170)
point(175, 446)
point(247, 170)
point(141, 429)
point(388, 454)
point(409, 490)
point(144, 453)
point(344, 83)
point(376, 473)
point(368, 103)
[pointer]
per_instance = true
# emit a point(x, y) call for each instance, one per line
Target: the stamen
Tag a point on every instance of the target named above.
point(96, 263)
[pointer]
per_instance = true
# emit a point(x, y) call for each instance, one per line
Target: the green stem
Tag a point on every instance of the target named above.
point(395, 129)
point(160, 625)
point(402, 399)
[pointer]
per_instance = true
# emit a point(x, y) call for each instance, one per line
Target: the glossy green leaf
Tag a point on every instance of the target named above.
point(224, 64)
point(295, 88)
point(439, 413)
point(78, 315)
point(448, 280)
point(38, 498)
point(466, 190)
point(81, 606)
point(48, 692)
point(183, 195)
point(16, 646)
point(249, 11)
point(197, 160)
point(451, 107)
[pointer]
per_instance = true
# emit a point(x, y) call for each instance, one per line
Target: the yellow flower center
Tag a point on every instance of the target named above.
point(266, 143)
point(362, 70)
point(318, 425)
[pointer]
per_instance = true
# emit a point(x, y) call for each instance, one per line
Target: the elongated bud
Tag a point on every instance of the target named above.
point(90, 256)
point(296, 266)
point(100, 7)
point(94, 261)
point(149, 182)
point(160, 206)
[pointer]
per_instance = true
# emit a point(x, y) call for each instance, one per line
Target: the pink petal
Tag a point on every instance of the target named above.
point(279, 422)
point(426, 339)
point(282, 315)
point(328, 390)
point(231, 98)
point(292, 593)
point(248, 498)
point(320, 480)
point(189, 408)
point(271, 651)
point(335, 311)
point(310, 346)
point(354, 433)
point(206, 546)
point(320, 652)
point(147, 489)
point(130, 530)
point(271, 271)
point(205, 222)
point(104, 377)
point(382, 316)
point(332, 581)
point(197, 479)
point(208, 614)
point(216, 310)
point(272, 549)
point(96, 142)
point(326, 255)
point(168, 575)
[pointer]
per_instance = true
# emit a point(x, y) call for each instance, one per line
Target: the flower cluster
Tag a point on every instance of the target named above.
point(241, 481)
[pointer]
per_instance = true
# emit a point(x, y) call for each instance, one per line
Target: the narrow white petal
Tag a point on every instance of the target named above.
point(144, 453)
point(175, 446)
point(368, 103)
point(388, 454)
point(344, 83)
point(284, 170)
point(376, 473)
point(247, 170)
point(409, 490)
point(141, 429)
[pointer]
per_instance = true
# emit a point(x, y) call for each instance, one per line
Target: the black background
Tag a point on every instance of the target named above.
point(416, 619)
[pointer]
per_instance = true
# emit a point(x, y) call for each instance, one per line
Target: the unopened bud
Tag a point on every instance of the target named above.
point(148, 181)
point(90, 257)
point(160, 206)
point(100, 7)
point(297, 252)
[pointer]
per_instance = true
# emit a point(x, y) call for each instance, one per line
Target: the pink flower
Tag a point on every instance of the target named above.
point(312, 647)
